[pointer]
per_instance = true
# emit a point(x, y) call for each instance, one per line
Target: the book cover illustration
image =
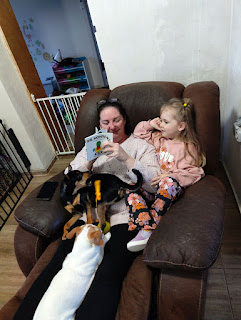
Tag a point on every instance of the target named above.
point(94, 142)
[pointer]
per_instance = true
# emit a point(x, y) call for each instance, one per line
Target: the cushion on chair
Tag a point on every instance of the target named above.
point(43, 218)
point(143, 100)
point(189, 235)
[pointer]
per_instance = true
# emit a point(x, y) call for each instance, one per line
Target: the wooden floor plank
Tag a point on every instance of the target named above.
point(218, 306)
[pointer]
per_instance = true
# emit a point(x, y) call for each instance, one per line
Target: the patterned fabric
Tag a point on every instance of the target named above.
point(146, 210)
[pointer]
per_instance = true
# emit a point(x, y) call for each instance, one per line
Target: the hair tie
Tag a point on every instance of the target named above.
point(185, 104)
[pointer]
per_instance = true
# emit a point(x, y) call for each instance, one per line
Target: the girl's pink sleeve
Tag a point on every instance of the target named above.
point(186, 172)
point(144, 130)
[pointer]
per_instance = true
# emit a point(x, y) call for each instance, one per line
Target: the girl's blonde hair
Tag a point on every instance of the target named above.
point(185, 112)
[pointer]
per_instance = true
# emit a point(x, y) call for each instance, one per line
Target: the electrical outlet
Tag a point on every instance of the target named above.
point(237, 129)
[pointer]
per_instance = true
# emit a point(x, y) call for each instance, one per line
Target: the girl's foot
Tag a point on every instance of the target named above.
point(140, 240)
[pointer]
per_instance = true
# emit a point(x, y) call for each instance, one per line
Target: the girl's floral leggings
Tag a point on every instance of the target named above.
point(146, 210)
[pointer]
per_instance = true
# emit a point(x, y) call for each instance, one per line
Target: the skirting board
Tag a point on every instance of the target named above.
point(232, 186)
point(44, 172)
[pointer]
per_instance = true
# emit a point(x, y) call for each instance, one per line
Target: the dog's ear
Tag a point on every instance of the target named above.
point(69, 208)
point(79, 175)
point(76, 230)
point(95, 237)
point(81, 182)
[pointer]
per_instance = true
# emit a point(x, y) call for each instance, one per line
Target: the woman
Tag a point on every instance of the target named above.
point(120, 156)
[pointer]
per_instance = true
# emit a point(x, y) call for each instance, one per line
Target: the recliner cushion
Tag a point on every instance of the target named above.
point(189, 235)
point(43, 218)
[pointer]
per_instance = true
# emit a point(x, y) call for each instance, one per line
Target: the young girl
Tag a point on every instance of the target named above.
point(181, 160)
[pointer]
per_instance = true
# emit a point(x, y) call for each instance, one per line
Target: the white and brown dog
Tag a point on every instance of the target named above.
point(70, 285)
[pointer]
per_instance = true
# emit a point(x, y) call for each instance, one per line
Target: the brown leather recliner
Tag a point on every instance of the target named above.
point(169, 281)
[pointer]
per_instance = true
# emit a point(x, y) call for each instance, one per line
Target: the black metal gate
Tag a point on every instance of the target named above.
point(15, 173)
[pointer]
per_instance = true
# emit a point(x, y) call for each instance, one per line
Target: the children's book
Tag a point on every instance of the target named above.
point(94, 142)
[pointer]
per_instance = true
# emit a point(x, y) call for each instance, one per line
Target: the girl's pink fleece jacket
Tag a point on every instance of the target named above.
point(174, 161)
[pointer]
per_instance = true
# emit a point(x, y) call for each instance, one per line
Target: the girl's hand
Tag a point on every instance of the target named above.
point(157, 179)
point(156, 123)
point(114, 150)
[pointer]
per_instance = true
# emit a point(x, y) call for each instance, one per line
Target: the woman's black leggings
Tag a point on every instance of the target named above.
point(101, 300)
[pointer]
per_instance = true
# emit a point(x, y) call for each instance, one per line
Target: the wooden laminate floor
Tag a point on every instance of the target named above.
point(224, 282)
point(223, 300)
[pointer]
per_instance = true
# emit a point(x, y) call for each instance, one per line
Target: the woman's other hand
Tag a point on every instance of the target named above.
point(156, 123)
point(114, 150)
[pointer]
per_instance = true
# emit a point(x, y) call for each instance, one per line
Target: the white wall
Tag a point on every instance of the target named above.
point(183, 41)
point(232, 148)
point(57, 24)
point(18, 112)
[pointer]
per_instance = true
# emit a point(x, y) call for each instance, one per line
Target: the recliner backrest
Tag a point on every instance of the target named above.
point(143, 100)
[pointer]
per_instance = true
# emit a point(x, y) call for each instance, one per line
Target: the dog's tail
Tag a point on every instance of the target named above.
point(137, 185)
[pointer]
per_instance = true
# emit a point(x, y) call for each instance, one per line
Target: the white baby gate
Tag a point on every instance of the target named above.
point(59, 115)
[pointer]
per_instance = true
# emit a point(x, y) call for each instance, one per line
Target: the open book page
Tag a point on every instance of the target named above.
point(94, 142)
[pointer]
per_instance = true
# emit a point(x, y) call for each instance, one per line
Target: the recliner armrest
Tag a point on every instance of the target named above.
point(43, 218)
point(189, 235)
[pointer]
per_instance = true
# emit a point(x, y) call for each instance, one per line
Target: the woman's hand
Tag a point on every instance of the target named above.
point(157, 179)
point(156, 123)
point(114, 150)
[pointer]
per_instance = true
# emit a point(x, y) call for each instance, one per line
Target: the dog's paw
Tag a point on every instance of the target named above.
point(66, 171)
